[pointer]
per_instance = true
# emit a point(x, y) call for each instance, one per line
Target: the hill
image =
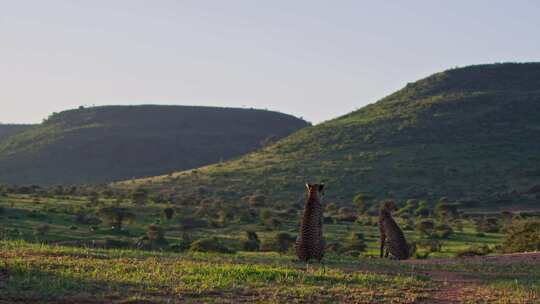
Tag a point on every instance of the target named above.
point(7, 130)
point(468, 134)
point(103, 144)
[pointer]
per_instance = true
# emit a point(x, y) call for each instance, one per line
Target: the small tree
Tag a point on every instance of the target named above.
point(355, 242)
point(446, 211)
point(410, 206)
point(425, 228)
point(284, 241)
point(422, 210)
point(361, 200)
point(116, 216)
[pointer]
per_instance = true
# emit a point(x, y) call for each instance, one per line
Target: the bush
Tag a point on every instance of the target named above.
point(443, 231)
point(116, 244)
point(116, 216)
point(272, 223)
point(281, 242)
point(184, 243)
point(430, 245)
point(41, 230)
point(193, 223)
point(212, 244)
point(355, 242)
point(156, 235)
point(474, 251)
point(488, 225)
point(346, 215)
point(251, 241)
point(168, 213)
point(522, 236)
point(425, 228)
point(422, 210)
point(352, 253)
point(83, 218)
point(334, 247)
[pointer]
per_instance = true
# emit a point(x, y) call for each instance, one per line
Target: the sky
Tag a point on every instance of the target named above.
point(312, 59)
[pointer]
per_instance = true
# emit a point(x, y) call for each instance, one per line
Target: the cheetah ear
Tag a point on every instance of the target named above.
point(321, 187)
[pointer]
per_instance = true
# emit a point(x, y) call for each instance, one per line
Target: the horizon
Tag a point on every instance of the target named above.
point(306, 59)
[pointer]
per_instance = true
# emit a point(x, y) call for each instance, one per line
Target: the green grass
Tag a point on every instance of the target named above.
point(34, 271)
point(31, 271)
point(42, 272)
point(22, 214)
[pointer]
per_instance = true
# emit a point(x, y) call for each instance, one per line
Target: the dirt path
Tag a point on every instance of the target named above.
point(456, 287)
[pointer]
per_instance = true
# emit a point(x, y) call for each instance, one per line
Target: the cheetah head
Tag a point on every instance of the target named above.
point(316, 190)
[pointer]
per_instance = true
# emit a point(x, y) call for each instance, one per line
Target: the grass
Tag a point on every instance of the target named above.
point(33, 268)
point(49, 273)
point(23, 213)
point(44, 272)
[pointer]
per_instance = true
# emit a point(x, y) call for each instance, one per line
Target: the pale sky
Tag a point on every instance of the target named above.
point(315, 59)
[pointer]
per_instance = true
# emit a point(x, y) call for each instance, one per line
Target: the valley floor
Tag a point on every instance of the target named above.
point(31, 273)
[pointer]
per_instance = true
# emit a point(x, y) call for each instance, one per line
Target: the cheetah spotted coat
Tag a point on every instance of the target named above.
point(310, 243)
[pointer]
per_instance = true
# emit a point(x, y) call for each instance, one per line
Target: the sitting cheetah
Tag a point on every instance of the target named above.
point(391, 235)
point(310, 243)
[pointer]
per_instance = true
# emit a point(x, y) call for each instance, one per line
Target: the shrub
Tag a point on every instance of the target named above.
point(352, 253)
point(474, 251)
point(116, 216)
point(355, 242)
point(422, 210)
point(251, 241)
point(83, 218)
point(272, 223)
point(281, 242)
point(443, 231)
point(522, 236)
point(193, 223)
point(116, 244)
point(430, 245)
point(140, 196)
point(168, 213)
point(212, 244)
point(346, 214)
point(425, 228)
point(334, 247)
point(183, 245)
point(488, 225)
point(41, 230)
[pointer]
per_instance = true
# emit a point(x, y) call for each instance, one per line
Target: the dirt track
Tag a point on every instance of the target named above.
point(532, 257)
point(456, 287)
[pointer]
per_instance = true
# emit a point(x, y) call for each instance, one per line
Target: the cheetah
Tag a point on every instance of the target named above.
point(310, 243)
point(391, 235)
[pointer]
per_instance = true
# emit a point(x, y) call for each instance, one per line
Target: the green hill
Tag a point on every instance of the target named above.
point(471, 133)
point(7, 130)
point(103, 144)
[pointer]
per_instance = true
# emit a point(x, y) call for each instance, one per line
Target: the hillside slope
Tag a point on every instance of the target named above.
point(7, 130)
point(103, 144)
point(471, 133)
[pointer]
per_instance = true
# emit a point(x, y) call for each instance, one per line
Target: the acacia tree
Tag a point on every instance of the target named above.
point(116, 216)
